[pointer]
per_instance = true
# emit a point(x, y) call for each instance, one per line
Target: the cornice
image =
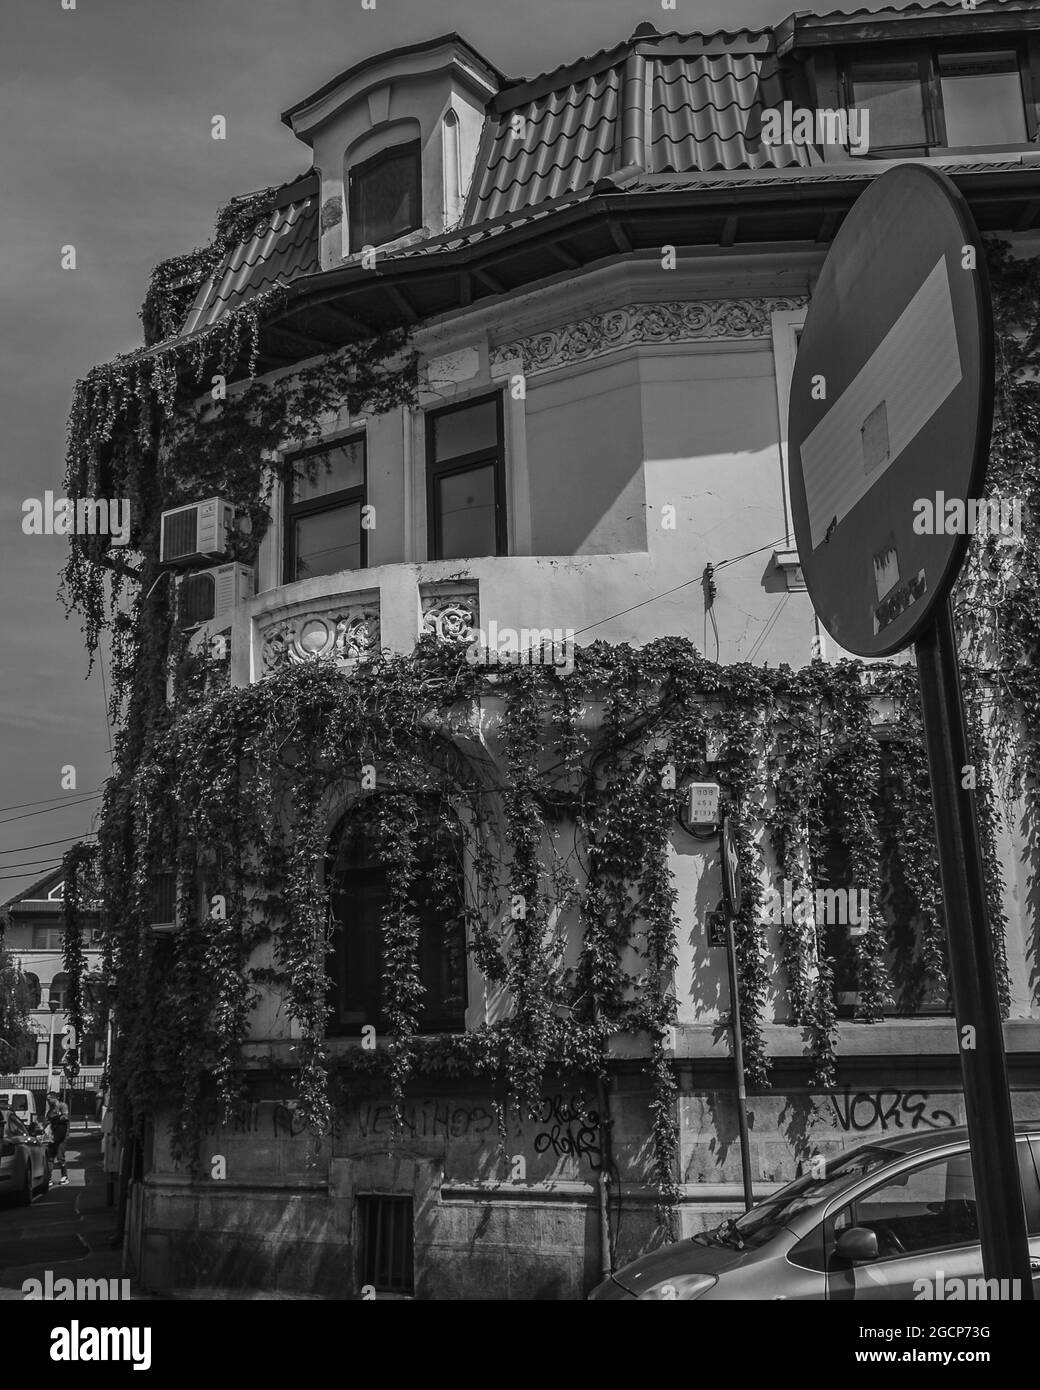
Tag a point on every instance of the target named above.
point(676, 322)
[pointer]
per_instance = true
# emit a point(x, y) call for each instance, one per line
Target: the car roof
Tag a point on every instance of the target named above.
point(921, 1141)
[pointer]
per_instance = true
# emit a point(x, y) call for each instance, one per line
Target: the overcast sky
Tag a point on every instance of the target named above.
point(106, 112)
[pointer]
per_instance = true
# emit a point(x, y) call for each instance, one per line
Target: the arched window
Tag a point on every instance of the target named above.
point(384, 195)
point(32, 984)
point(58, 989)
point(359, 895)
point(913, 991)
point(452, 169)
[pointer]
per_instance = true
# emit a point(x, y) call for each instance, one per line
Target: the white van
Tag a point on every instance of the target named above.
point(22, 1103)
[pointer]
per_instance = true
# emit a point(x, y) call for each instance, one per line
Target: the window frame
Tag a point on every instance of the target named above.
point(356, 172)
point(465, 463)
point(327, 502)
point(430, 1022)
point(370, 1265)
point(928, 53)
point(892, 1011)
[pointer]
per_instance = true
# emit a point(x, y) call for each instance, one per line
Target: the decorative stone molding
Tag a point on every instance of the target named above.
point(681, 322)
point(345, 632)
point(450, 612)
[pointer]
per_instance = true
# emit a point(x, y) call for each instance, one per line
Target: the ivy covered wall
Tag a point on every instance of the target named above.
point(237, 789)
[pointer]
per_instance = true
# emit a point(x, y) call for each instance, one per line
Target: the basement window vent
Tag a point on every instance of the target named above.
point(385, 1241)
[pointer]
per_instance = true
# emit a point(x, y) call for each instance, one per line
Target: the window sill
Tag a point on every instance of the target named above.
point(384, 248)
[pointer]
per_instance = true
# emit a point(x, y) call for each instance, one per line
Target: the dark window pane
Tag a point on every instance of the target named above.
point(358, 897)
point(327, 542)
point(385, 199)
point(892, 92)
point(466, 509)
point(982, 99)
point(385, 1231)
point(358, 913)
point(460, 432)
point(335, 471)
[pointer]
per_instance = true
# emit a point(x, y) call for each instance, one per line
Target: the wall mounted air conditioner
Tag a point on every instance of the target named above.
point(212, 593)
point(197, 533)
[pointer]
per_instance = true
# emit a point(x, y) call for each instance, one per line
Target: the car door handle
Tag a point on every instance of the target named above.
point(1034, 1265)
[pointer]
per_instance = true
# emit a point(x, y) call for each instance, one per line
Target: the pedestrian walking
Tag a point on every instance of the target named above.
point(58, 1120)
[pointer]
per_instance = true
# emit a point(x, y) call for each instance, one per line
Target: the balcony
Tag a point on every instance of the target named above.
point(354, 615)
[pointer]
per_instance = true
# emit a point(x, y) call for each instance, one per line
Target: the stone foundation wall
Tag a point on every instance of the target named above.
point(513, 1216)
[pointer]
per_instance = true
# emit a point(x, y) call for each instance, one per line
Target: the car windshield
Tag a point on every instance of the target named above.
point(761, 1223)
point(14, 1126)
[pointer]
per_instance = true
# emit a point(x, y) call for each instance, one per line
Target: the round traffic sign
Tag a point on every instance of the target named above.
point(890, 412)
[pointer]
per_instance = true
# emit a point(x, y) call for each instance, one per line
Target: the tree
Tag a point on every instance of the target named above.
point(17, 1038)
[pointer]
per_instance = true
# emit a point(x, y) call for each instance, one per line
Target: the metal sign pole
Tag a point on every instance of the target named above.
point(987, 1099)
point(738, 1063)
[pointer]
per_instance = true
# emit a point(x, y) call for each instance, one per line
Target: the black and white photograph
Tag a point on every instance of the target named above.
point(521, 700)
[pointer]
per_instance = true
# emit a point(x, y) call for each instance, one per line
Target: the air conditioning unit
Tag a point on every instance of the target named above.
point(197, 533)
point(212, 593)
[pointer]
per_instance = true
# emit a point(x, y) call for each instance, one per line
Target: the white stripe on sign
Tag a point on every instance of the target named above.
point(896, 392)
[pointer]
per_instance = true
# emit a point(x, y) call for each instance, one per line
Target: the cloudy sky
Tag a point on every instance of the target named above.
point(106, 111)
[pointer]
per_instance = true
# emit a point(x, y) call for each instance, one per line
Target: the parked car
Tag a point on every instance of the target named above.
point(886, 1221)
point(23, 1103)
point(25, 1167)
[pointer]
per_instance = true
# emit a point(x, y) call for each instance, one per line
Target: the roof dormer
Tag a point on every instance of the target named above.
point(395, 141)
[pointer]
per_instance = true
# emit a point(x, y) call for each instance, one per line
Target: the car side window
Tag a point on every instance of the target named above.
point(15, 1128)
point(930, 1207)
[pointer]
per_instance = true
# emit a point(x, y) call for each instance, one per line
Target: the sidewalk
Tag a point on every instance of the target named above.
point(68, 1230)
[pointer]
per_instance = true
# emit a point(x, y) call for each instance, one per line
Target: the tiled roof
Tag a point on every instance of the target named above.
point(282, 247)
point(705, 113)
point(566, 140)
point(663, 104)
point(37, 892)
point(656, 112)
point(892, 11)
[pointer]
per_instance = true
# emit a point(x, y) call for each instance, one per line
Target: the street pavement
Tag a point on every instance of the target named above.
point(68, 1230)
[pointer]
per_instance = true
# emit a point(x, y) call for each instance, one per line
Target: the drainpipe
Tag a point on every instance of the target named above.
point(606, 1262)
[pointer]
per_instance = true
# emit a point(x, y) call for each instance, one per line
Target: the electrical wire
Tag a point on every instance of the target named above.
point(46, 800)
point(770, 624)
point(29, 814)
point(37, 874)
point(734, 559)
point(46, 844)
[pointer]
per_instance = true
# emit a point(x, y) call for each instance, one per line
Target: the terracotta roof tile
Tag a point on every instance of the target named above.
point(282, 247)
point(681, 110)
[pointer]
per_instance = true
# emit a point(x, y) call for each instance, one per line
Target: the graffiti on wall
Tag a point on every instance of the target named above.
point(426, 1119)
point(862, 1110)
point(569, 1129)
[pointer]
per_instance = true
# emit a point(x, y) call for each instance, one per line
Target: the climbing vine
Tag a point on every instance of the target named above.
point(175, 282)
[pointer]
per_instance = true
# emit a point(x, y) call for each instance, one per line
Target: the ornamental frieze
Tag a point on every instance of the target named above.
point(450, 613)
point(687, 321)
point(348, 633)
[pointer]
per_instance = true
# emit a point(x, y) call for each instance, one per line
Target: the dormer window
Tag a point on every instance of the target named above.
point(385, 195)
point(926, 99)
point(982, 99)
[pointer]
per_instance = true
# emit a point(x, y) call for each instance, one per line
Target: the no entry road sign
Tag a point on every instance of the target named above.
point(891, 404)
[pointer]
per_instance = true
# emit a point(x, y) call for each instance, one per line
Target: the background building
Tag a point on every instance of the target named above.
point(35, 927)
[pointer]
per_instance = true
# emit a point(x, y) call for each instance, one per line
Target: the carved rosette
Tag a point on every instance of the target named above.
point(344, 636)
point(450, 616)
point(681, 322)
